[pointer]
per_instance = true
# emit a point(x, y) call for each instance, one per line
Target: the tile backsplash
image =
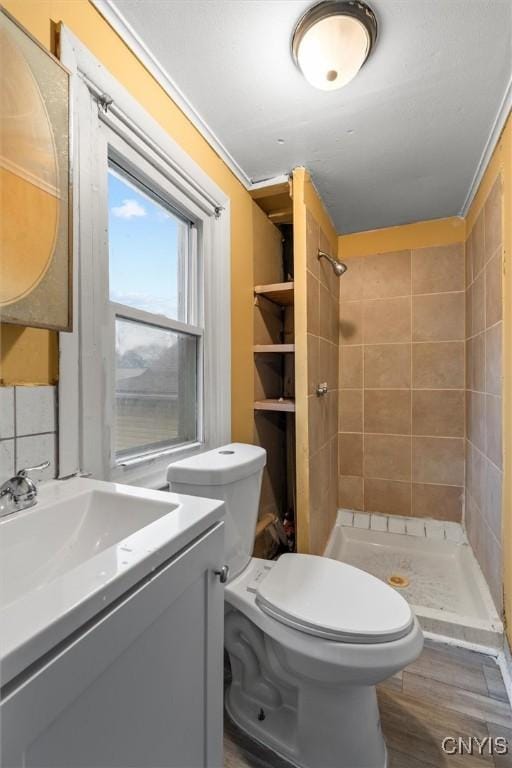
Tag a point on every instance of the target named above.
point(28, 430)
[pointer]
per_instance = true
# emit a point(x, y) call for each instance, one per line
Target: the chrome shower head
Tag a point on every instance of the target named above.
point(339, 268)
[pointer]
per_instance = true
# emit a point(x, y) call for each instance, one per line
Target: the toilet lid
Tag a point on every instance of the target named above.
point(333, 600)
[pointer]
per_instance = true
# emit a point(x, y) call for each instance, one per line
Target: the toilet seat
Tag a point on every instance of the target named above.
point(333, 600)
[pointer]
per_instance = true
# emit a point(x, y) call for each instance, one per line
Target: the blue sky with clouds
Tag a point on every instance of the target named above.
point(143, 243)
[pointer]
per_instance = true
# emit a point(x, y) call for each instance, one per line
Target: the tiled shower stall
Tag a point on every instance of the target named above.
point(420, 409)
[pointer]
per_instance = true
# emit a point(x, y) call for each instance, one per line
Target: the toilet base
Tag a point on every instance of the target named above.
point(311, 724)
point(259, 734)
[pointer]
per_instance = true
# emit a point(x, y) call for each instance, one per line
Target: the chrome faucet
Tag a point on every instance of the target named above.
point(20, 492)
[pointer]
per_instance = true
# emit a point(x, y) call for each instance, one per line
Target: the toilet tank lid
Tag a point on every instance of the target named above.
point(220, 466)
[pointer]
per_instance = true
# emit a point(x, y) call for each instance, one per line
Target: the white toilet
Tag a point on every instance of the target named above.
point(308, 637)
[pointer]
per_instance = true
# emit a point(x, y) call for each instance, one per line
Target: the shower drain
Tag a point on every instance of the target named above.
point(401, 582)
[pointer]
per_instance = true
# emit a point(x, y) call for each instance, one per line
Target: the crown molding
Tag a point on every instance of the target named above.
point(126, 32)
point(490, 146)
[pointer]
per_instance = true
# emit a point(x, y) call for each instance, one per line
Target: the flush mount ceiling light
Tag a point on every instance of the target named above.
point(332, 41)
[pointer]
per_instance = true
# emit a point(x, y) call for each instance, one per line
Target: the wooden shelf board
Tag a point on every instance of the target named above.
point(283, 216)
point(275, 201)
point(282, 348)
point(279, 293)
point(275, 404)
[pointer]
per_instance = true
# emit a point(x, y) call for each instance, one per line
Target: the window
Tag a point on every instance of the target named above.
point(148, 249)
point(145, 375)
point(156, 387)
point(152, 283)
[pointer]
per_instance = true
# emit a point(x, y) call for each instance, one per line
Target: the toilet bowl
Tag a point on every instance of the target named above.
point(308, 637)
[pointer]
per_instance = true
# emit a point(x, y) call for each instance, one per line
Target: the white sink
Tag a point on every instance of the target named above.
point(81, 547)
point(38, 548)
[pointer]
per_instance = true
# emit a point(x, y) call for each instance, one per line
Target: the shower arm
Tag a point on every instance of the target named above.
point(338, 267)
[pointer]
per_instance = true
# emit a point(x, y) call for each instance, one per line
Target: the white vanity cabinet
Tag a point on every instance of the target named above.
point(140, 684)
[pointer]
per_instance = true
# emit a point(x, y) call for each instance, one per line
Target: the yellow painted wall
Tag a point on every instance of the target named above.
point(421, 234)
point(30, 355)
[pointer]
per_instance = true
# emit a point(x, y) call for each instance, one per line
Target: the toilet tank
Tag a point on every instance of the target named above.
point(233, 474)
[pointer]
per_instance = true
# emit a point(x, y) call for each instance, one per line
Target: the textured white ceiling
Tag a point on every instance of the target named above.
point(400, 143)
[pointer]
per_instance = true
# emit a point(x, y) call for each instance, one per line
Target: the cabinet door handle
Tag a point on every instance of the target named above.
point(223, 574)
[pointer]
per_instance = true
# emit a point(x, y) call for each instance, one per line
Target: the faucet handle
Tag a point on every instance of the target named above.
point(24, 472)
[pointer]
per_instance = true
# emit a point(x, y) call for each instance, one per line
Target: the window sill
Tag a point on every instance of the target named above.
point(146, 458)
point(150, 471)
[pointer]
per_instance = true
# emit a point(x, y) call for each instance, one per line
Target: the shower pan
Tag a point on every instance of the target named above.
point(431, 564)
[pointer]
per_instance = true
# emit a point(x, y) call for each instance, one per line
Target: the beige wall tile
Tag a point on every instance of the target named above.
point(438, 317)
point(325, 313)
point(350, 453)
point(387, 411)
point(324, 367)
point(493, 296)
point(478, 304)
point(475, 363)
point(313, 362)
point(438, 460)
point(469, 311)
point(316, 487)
point(475, 418)
point(387, 320)
point(492, 499)
point(492, 566)
point(493, 380)
point(493, 429)
point(387, 496)
point(351, 367)
point(312, 243)
point(332, 379)
point(314, 425)
point(493, 219)
point(325, 273)
point(472, 521)
point(335, 322)
point(470, 362)
point(438, 365)
point(442, 502)
point(387, 275)
point(438, 412)
point(350, 492)
point(317, 422)
point(469, 261)
point(350, 410)
point(387, 366)
point(387, 457)
point(351, 322)
point(475, 473)
point(327, 276)
point(437, 270)
point(351, 284)
point(332, 413)
point(313, 304)
point(478, 245)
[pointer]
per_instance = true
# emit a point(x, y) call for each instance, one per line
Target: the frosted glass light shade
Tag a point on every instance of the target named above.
point(332, 41)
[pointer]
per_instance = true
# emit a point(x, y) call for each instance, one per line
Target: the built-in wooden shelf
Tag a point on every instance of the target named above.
point(283, 216)
point(279, 293)
point(275, 404)
point(275, 200)
point(282, 348)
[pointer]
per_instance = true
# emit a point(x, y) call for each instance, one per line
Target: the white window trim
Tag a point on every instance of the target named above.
point(84, 447)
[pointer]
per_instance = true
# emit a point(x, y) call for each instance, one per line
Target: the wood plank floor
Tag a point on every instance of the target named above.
point(446, 692)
